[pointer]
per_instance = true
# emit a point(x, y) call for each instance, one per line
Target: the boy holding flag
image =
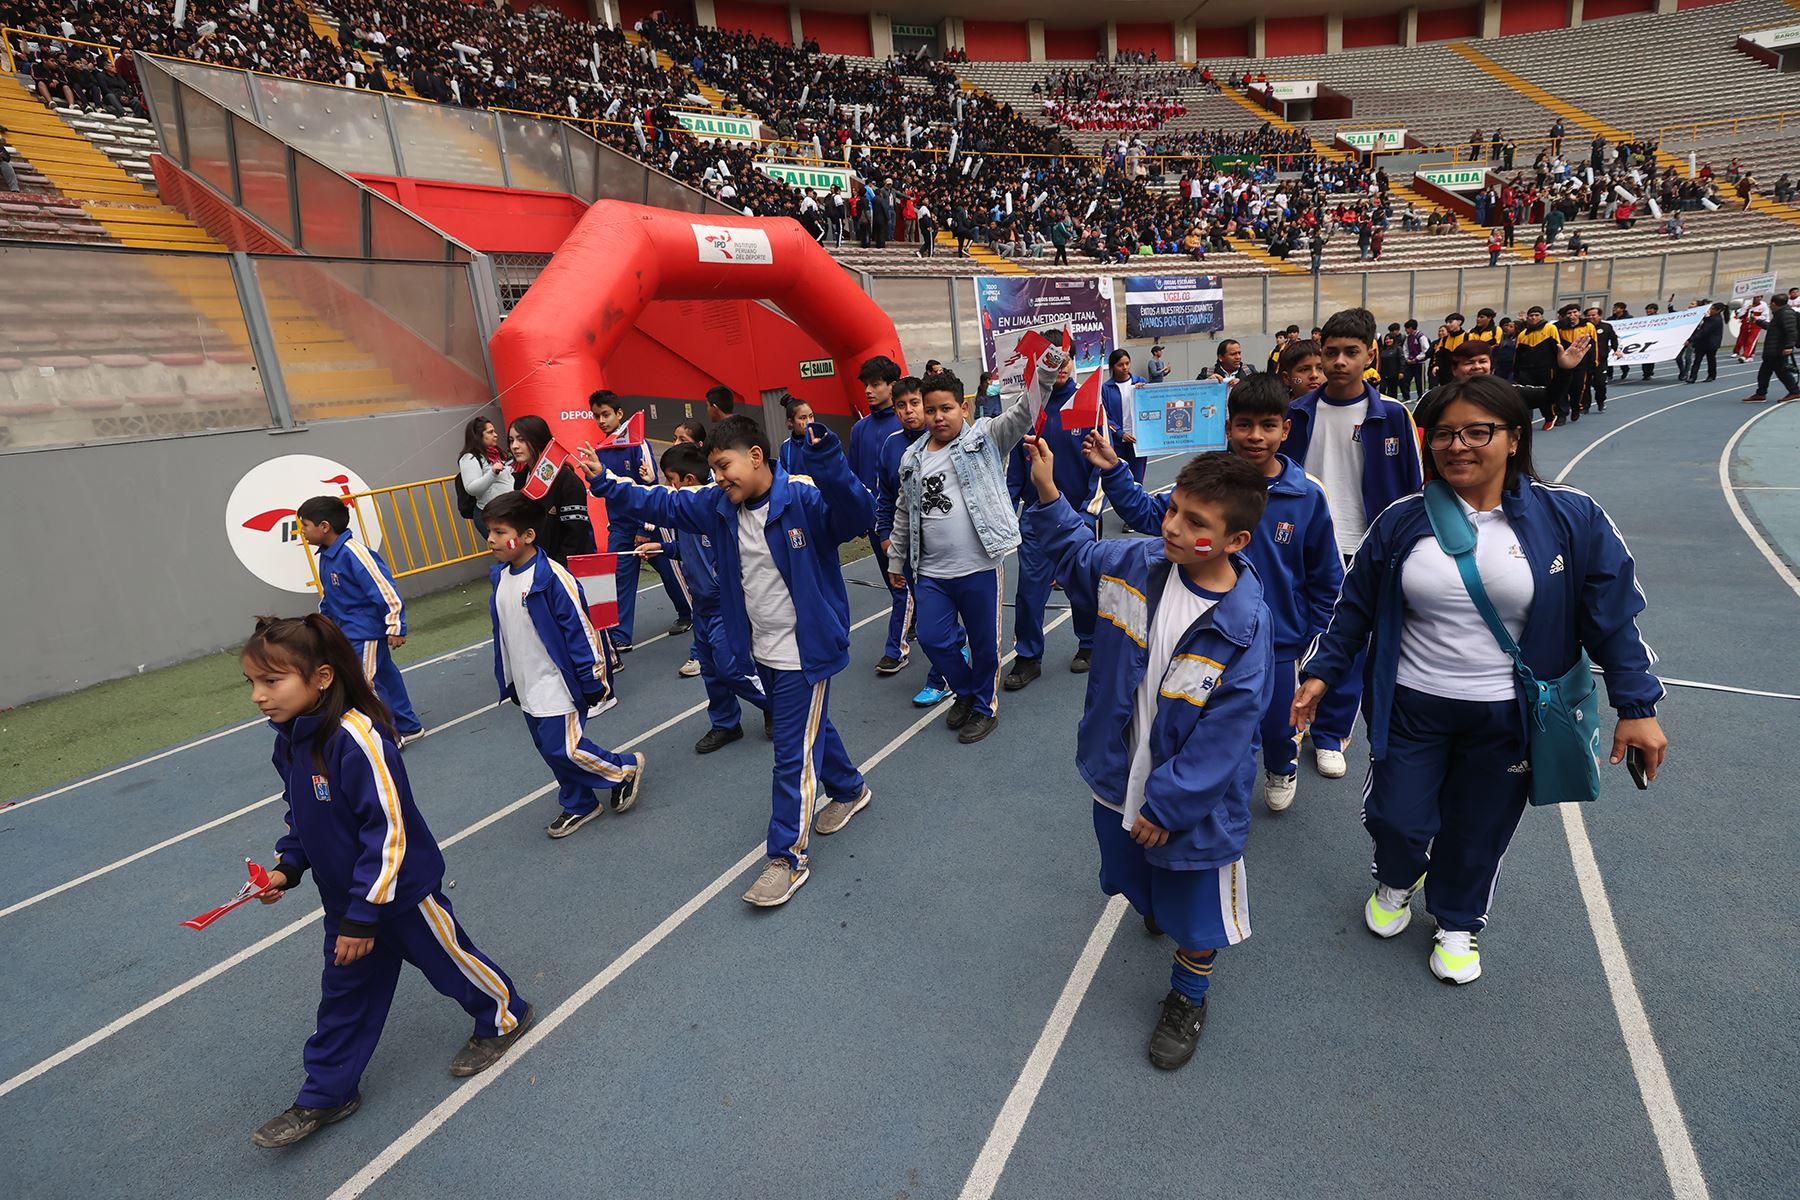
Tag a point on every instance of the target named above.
point(625, 452)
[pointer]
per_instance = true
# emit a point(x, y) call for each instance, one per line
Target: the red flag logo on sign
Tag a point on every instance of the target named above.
point(543, 472)
point(598, 575)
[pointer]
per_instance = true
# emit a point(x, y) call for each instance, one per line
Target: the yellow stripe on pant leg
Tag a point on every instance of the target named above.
point(584, 760)
point(368, 657)
point(809, 779)
point(443, 928)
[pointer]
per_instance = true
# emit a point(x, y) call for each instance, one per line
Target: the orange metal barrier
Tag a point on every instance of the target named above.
point(419, 525)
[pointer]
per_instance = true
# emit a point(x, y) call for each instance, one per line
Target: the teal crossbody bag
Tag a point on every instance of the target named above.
point(1563, 727)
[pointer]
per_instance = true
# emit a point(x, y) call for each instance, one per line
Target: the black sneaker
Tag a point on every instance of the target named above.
point(769, 724)
point(623, 647)
point(959, 712)
point(1177, 1031)
point(626, 794)
point(480, 1053)
point(568, 822)
point(682, 625)
point(715, 739)
point(889, 665)
point(1083, 662)
point(1024, 671)
point(286, 1128)
point(979, 726)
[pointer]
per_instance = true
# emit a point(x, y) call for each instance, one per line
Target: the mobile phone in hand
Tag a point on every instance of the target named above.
point(1634, 763)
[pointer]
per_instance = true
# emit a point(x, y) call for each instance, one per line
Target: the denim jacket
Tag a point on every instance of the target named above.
point(979, 455)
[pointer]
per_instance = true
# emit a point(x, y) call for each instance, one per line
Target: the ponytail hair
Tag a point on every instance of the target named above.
point(305, 644)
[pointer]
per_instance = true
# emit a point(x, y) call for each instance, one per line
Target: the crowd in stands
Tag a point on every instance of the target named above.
point(1147, 112)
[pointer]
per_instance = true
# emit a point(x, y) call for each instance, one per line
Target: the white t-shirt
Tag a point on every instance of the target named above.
point(1446, 649)
point(1180, 605)
point(949, 546)
point(766, 597)
point(1336, 456)
point(542, 692)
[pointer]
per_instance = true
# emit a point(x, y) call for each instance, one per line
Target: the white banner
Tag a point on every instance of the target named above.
point(1653, 339)
point(1754, 285)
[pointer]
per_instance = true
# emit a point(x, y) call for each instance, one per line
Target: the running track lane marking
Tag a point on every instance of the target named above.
point(215, 736)
point(985, 1175)
point(251, 951)
point(1680, 1163)
point(434, 1120)
point(1737, 509)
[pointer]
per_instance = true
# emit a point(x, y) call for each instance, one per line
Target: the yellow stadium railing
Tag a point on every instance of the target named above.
point(1775, 122)
point(420, 529)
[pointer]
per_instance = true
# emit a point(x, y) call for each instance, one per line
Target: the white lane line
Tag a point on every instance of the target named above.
point(1719, 687)
point(1680, 1163)
point(215, 736)
point(175, 993)
point(434, 1120)
point(1757, 487)
point(1737, 509)
point(985, 1175)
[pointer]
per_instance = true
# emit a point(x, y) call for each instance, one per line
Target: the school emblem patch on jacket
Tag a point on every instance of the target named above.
point(1284, 532)
point(334, 580)
point(1392, 447)
point(321, 790)
point(797, 538)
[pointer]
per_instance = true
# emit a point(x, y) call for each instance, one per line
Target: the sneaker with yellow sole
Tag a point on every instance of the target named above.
point(1389, 910)
point(1455, 958)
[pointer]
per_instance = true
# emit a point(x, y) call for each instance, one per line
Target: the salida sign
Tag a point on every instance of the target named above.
point(262, 524)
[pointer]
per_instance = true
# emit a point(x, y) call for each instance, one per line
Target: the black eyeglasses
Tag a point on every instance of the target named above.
point(1441, 437)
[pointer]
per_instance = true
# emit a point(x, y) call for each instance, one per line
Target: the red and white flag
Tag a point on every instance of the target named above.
point(598, 575)
point(257, 885)
point(631, 433)
point(543, 472)
point(1084, 410)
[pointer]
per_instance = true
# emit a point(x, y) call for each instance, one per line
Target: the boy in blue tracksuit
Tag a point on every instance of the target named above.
point(1077, 481)
point(635, 461)
point(357, 592)
point(684, 468)
point(1294, 552)
point(879, 375)
point(953, 527)
point(1364, 448)
point(549, 661)
point(352, 821)
point(786, 616)
point(1174, 710)
point(909, 406)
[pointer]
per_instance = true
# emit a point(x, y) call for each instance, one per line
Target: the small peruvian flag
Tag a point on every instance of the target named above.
point(543, 473)
point(598, 575)
point(1083, 411)
point(631, 433)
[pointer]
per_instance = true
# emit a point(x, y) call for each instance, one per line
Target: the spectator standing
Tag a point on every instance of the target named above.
point(1783, 324)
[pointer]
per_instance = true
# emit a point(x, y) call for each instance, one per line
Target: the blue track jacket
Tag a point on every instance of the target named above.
point(1586, 597)
point(1293, 550)
point(559, 614)
point(1390, 441)
point(864, 448)
point(359, 593)
point(356, 825)
point(809, 516)
point(887, 479)
point(1207, 731)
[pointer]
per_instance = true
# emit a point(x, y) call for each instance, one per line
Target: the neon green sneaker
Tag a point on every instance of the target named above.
point(1389, 910)
point(1455, 959)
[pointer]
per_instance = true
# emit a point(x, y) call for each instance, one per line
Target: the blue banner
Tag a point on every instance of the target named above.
point(1011, 305)
point(1159, 306)
point(1174, 418)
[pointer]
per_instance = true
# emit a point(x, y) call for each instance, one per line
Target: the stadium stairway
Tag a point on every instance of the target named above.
point(324, 22)
point(713, 95)
point(72, 164)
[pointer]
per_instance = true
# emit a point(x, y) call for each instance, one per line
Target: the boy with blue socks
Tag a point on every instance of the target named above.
point(909, 407)
point(786, 615)
point(1174, 710)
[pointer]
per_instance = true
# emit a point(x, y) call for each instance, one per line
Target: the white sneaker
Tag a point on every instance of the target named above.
point(1278, 790)
point(689, 669)
point(1331, 763)
point(1388, 910)
point(1455, 958)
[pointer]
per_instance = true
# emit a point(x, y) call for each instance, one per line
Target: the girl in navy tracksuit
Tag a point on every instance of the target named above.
point(1175, 701)
point(786, 615)
point(352, 820)
point(1447, 717)
point(799, 420)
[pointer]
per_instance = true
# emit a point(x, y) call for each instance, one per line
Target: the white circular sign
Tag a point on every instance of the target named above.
point(262, 526)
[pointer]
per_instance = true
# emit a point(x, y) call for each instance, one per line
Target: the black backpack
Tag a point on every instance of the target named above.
point(465, 503)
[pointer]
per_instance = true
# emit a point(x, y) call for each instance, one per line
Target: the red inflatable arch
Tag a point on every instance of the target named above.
point(551, 352)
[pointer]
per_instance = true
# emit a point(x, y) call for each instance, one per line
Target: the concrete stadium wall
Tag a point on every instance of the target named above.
point(117, 555)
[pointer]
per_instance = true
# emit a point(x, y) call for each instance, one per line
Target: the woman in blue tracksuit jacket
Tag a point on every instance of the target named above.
point(1446, 714)
point(351, 820)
